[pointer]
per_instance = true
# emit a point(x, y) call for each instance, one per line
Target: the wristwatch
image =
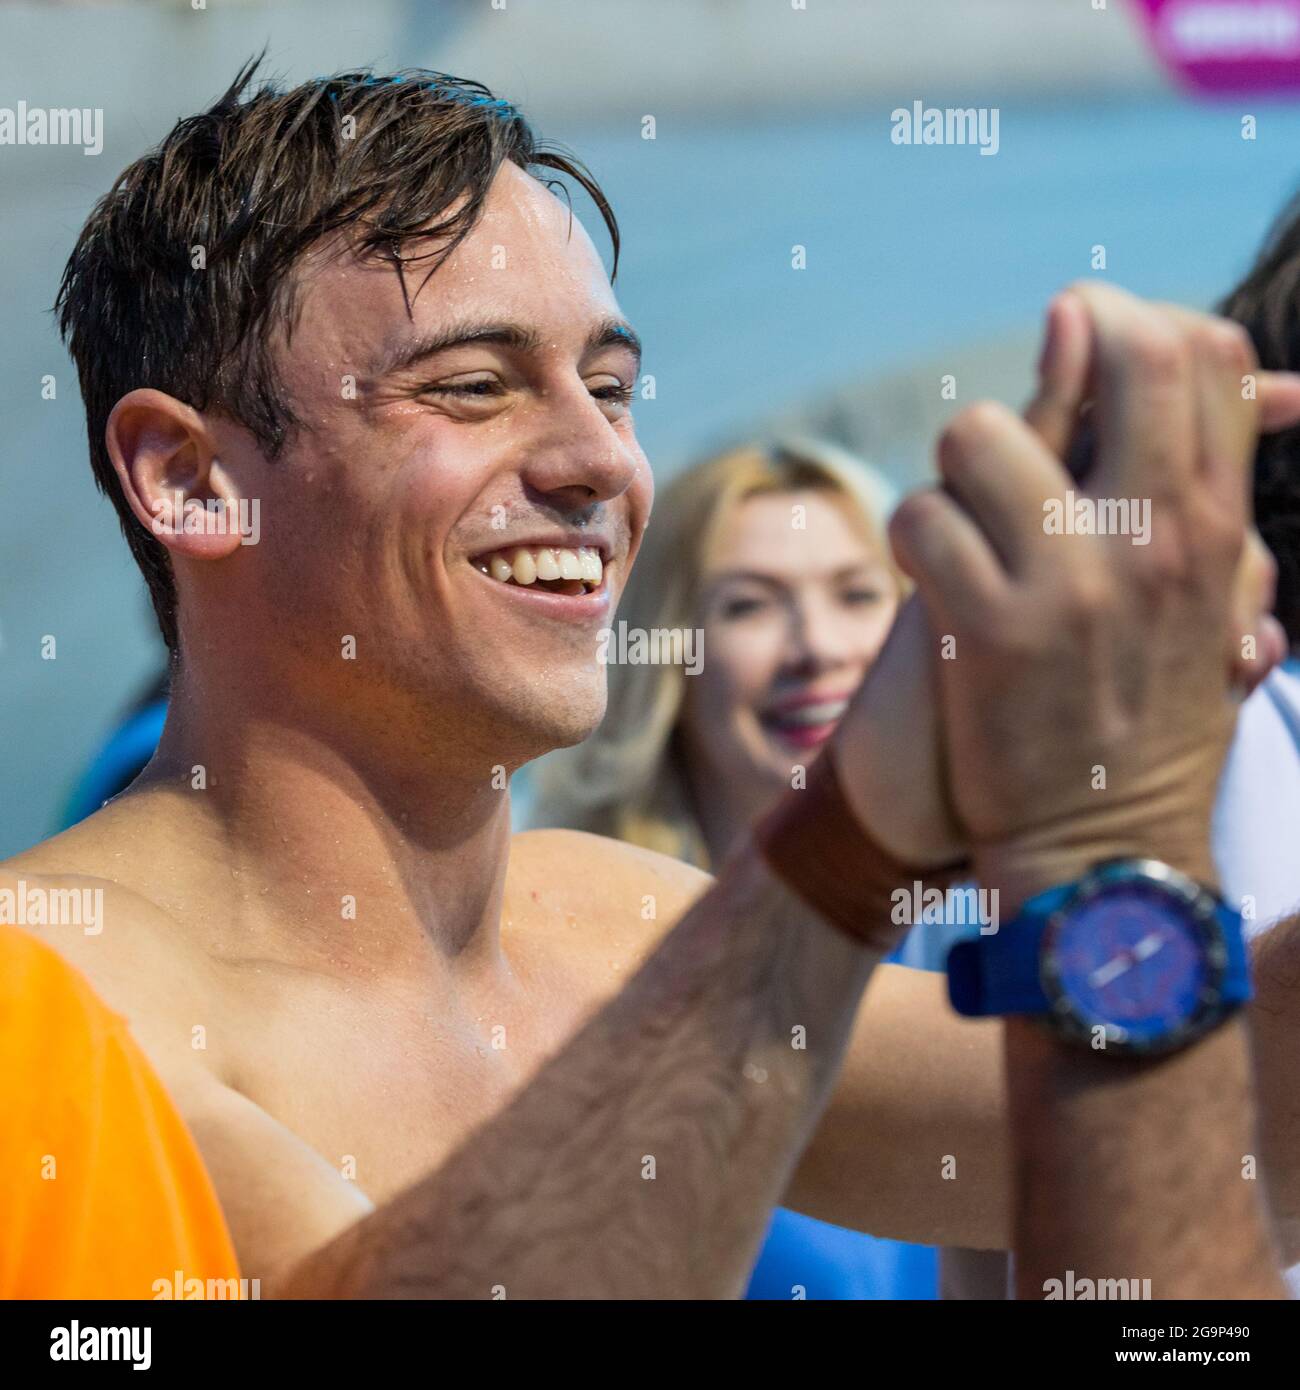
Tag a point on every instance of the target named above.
point(1134, 957)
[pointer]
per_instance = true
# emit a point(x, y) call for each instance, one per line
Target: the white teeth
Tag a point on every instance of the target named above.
point(823, 713)
point(527, 564)
point(523, 566)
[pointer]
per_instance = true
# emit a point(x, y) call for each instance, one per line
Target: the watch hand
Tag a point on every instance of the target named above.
point(1148, 946)
point(1112, 970)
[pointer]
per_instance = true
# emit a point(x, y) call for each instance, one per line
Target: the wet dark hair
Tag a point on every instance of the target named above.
point(1267, 304)
point(401, 164)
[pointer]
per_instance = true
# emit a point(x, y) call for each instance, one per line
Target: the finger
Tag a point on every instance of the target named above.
point(1227, 415)
point(1279, 409)
point(944, 553)
point(1001, 473)
point(1145, 412)
point(1256, 640)
point(1279, 400)
point(1053, 413)
point(1267, 651)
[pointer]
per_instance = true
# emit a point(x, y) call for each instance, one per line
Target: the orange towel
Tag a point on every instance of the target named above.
point(102, 1190)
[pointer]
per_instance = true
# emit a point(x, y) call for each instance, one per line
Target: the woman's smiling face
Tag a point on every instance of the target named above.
point(796, 602)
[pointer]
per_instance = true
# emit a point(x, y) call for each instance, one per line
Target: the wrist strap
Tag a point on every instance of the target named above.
point(813, 842)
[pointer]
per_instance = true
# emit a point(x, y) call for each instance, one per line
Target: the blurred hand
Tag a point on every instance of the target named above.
point(890, 746)
point(1092, 686)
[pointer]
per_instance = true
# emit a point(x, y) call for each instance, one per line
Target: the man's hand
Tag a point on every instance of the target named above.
point(1086, 714)
point(1088, 706)
point(890, 748)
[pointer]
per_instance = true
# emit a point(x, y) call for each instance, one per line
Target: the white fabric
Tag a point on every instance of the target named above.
point(1257, 817)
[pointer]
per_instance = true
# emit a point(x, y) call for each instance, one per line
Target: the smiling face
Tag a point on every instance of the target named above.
point(445, 460)
point(792, 617)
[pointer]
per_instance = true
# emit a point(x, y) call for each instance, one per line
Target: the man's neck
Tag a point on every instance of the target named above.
point(296, 843)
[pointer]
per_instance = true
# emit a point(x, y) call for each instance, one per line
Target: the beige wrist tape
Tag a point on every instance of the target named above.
point(813, 842)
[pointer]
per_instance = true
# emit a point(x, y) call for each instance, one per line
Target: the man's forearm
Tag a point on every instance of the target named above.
point(1275, 1036)
point(644, 1160)
point(1128, 1168)
point(1137, 1170)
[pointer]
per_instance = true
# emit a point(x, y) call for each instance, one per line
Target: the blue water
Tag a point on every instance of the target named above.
point(911, 249)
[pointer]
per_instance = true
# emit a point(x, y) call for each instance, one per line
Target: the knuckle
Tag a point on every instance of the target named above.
point(1160, 356)
point(1090, 594)
point(1166, 569)
point(1227, 345)
point(1225, 538)
point(1012, 630)
point(975, 424)
point(1214, 527)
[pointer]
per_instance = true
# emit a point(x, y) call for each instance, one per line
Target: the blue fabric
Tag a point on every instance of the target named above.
point(829, 1262)
point(128, 749)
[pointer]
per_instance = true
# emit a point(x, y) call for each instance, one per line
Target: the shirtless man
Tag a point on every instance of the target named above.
point(315, 917)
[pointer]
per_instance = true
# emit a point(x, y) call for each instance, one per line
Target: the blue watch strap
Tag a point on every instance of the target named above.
point(999, 973)
point(1236, 979)
point(985, 979)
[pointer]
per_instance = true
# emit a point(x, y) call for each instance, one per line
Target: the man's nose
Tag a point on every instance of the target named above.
point(577, 458)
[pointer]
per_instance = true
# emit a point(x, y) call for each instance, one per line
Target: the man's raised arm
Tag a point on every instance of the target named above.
point(645, 1159)
point(1087, 716)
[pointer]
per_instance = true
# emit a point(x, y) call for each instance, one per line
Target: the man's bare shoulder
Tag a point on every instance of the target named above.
point(63, 892)
point(619, 894)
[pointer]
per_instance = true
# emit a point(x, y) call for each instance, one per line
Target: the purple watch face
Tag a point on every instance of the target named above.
point(1133, 960)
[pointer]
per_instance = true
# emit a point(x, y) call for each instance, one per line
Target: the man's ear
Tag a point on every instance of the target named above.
point(164, 456)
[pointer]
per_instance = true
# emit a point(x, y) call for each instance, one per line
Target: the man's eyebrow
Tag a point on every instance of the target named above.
point(615, 332)
point(426, 344)
point(503, 334)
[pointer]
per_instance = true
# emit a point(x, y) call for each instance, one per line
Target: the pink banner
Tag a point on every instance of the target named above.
point(1228, 46)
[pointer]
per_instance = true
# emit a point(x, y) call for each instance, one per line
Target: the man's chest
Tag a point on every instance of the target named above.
point(384, 1087)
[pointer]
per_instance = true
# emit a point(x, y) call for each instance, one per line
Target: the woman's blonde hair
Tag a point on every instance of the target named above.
point(627, 779)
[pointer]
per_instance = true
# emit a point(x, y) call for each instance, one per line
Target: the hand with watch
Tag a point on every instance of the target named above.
point(1085, 718)
point(1087, 687)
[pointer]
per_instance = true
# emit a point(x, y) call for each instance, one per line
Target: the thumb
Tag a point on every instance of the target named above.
point(1063, 368)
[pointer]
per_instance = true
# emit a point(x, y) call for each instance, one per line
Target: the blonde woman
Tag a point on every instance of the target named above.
point(765, 573)
point(773, 561)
